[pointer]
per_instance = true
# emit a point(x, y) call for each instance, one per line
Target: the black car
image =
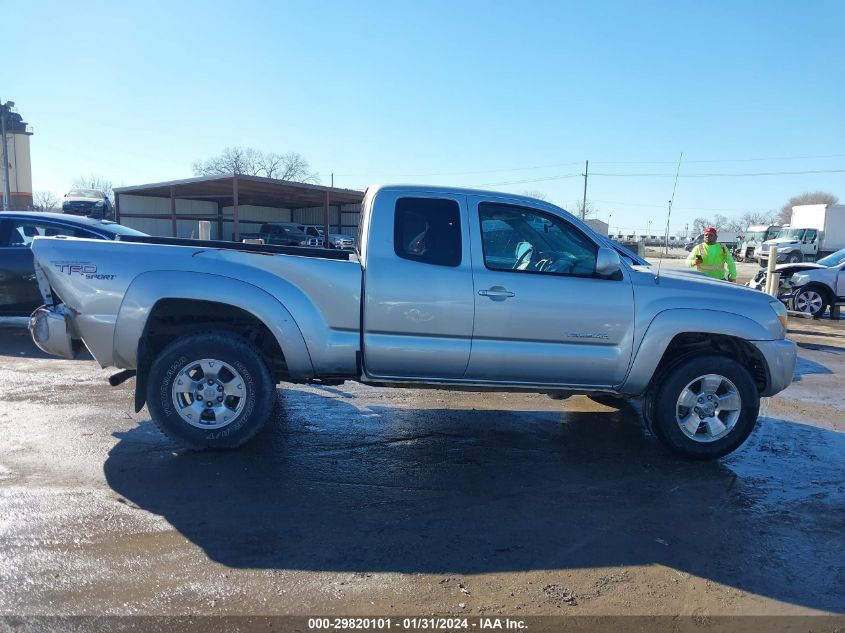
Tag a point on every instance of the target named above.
point(19, 294)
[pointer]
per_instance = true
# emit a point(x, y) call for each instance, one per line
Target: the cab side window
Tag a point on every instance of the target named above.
point(526, 240)
point(428, 230)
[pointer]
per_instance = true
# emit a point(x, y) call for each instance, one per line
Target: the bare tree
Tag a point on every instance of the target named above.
point(815, 197)
point(750, 218)
point(699, 224)
point(45, 201)
point(534, 193)
point(95, 181)
point(579, 209)
point(249, 161)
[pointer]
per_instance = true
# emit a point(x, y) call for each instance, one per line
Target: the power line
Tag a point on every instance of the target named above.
point(718, 160)
point(605, 162)
point(661, 206)
point(523, 182)
point(464, 173)
point(658, 175)
point(724, 175)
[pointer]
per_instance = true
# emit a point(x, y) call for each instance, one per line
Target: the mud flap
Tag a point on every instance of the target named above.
point(140, 389)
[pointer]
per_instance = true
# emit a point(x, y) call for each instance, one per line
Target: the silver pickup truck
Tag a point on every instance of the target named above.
point(451, 288)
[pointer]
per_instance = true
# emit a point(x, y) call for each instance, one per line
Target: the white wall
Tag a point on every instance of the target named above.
point(161, 206)
point(250, 217)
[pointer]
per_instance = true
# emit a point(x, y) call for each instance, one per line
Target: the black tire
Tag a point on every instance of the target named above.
point(228, 349)
point(665, 404)
point(606, 400)
point(794, 258)
point(811, 300)
point(647, 406)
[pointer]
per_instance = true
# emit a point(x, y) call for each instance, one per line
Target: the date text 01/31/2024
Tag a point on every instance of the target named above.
point(416, 624)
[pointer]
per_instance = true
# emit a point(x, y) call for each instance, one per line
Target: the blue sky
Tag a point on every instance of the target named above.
point(509, 96)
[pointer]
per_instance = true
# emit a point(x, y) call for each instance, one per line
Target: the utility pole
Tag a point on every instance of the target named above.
point(7, 194)
point(332, 180)
point(584, 204)
point(686, 231)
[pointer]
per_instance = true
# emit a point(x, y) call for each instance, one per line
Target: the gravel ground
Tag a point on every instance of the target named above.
point(359, 500)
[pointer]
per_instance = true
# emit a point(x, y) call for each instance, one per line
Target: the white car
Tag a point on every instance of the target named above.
point(809, 287)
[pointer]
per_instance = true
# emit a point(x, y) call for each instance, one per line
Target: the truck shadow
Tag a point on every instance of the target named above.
point(806, 367)
point(16, 341)
point(336, 487)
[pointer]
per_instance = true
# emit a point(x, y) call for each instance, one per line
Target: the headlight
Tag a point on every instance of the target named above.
point(799, 280)
point(304, 243)
point(780, 310)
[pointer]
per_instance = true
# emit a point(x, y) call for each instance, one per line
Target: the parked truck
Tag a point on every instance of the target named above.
point(815, 231)
point(753, 238)
point(281, 234)
point(450, 288)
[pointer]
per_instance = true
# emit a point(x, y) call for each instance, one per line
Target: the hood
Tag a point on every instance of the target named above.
point(693, 283)
point(82, 199)
point(781, 241)
point(689, 278)
point(796, 267)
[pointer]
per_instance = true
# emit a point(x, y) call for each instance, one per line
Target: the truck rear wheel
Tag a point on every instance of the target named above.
point(705, 407)
point(211, 390)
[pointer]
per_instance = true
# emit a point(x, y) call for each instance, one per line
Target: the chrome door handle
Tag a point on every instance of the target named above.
point(496, 292)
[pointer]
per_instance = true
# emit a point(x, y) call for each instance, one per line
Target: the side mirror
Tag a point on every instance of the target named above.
point(607, 262)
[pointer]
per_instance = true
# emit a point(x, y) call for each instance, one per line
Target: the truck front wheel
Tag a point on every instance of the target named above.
point(810, 301)
point(211, 390)
point(705, 407)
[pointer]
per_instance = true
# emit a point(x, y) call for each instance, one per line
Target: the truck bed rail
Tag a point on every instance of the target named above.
point(302, 251)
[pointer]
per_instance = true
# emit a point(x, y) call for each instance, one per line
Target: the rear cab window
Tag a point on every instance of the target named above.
point(428, 230)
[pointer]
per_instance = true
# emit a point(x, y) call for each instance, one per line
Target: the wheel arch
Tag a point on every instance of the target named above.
point(821, 288)
point(159, 307)
point(677, 334)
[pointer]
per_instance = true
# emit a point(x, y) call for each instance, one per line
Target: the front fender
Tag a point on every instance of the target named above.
point(669, 323)
point(149, 288)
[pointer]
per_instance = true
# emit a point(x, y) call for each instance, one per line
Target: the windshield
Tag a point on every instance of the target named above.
point(792, 234)
point(833, 260)
point(755, 236)
point(85, 193)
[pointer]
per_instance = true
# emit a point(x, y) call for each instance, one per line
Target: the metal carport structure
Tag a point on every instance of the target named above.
point(233, 192)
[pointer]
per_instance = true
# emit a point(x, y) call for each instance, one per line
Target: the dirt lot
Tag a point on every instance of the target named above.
point(371, 501)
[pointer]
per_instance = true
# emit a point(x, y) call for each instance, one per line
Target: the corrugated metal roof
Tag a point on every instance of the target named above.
point(254, 190)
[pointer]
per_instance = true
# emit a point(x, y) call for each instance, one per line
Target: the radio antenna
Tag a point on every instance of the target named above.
point(668, 217)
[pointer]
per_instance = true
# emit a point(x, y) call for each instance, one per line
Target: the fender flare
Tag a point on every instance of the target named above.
point(668, 324)
point(148, 289)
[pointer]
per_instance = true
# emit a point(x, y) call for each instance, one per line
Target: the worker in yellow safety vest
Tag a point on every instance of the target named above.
point(711, 258)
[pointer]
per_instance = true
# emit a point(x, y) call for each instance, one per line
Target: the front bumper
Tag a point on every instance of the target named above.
point(51, 332)
point(780, 357)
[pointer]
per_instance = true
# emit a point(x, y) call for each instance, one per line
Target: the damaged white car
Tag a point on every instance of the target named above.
point(809, 287)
